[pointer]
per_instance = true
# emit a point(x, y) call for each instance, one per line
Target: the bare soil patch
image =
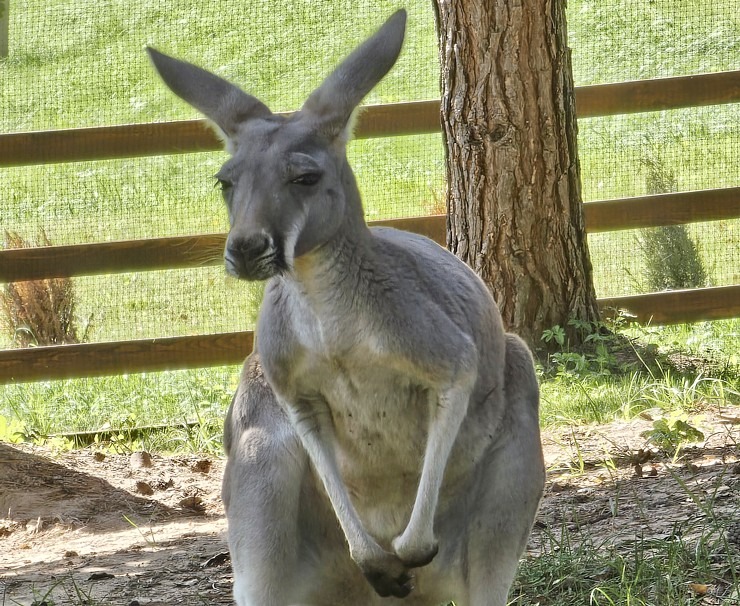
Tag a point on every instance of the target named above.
point(78, 528)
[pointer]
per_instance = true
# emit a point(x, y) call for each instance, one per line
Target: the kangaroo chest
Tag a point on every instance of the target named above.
point(380, 416)
point(376, 412)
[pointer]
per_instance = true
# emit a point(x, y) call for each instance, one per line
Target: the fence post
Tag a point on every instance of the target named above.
point(4, 20)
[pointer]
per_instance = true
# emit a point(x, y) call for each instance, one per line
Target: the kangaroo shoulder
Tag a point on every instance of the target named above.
point(444, 275)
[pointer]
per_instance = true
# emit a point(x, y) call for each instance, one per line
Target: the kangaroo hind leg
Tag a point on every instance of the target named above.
point(265, 473)
point(513, 483)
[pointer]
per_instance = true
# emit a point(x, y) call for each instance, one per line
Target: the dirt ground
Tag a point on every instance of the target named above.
point(78, 527)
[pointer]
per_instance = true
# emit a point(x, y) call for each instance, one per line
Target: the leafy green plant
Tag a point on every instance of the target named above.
point(555, 334)
point(624, 369)
point(11, 430)
point(670, 433)
point(594, 356)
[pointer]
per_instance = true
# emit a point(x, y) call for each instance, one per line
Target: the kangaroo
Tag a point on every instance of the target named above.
point(383, 442)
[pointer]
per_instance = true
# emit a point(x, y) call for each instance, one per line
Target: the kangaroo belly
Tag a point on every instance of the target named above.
point(380, 423)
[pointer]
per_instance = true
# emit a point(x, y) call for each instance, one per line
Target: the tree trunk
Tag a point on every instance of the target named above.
point(514, 189)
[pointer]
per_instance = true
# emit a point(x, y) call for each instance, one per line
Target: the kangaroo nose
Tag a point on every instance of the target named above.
point(247, 257)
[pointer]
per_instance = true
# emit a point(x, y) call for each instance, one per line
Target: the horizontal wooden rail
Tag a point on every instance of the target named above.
point(17, 264)
point(419, 117)
point(98, 359)
point(177, 252)
point(186, 136)
point(203, 250)
point(662, 209)
point(678, 306)
point(657, 94)
point(144, 355)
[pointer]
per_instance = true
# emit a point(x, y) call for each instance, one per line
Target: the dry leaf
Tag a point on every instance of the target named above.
point(144, 488)
point(699, 588)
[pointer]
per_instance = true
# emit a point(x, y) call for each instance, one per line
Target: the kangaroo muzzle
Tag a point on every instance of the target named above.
point(253, 257)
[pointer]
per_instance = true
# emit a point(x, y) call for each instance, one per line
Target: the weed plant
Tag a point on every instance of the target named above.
point(672, 261)
point(671, 257)
point(38, 312)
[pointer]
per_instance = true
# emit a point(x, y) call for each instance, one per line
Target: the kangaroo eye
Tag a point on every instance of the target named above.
point(223, 184)
point(307, 179)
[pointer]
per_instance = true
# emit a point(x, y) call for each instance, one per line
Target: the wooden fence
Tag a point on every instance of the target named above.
point(95, 359)
point(4, 27)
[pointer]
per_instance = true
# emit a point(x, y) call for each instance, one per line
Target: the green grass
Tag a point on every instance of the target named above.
point(681, 369)
point(682, 36)
point(93, 71)
point(573, 569)
point(103, 76)
point(675, 368)
point(40, 411)
point(573, 399)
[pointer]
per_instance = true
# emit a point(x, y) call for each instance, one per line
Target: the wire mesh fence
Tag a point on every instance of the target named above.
point(657, 152)
point(75, 63)
point(654, 153)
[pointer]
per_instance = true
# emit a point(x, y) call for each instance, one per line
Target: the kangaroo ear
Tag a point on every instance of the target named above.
point(331, 105)
point(219, 100)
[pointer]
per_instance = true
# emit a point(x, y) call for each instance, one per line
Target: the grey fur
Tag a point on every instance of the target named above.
point(385, 425)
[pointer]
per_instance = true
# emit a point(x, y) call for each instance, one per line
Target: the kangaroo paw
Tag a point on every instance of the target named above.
point(415, 556)
point(388, 576)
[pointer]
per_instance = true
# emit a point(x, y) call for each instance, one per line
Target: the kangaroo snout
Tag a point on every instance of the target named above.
point(253, 256)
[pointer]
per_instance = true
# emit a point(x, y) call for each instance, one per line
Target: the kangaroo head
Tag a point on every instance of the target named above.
point(287, 186)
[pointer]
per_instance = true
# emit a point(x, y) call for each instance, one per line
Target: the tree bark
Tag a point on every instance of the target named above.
point(513, 176)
